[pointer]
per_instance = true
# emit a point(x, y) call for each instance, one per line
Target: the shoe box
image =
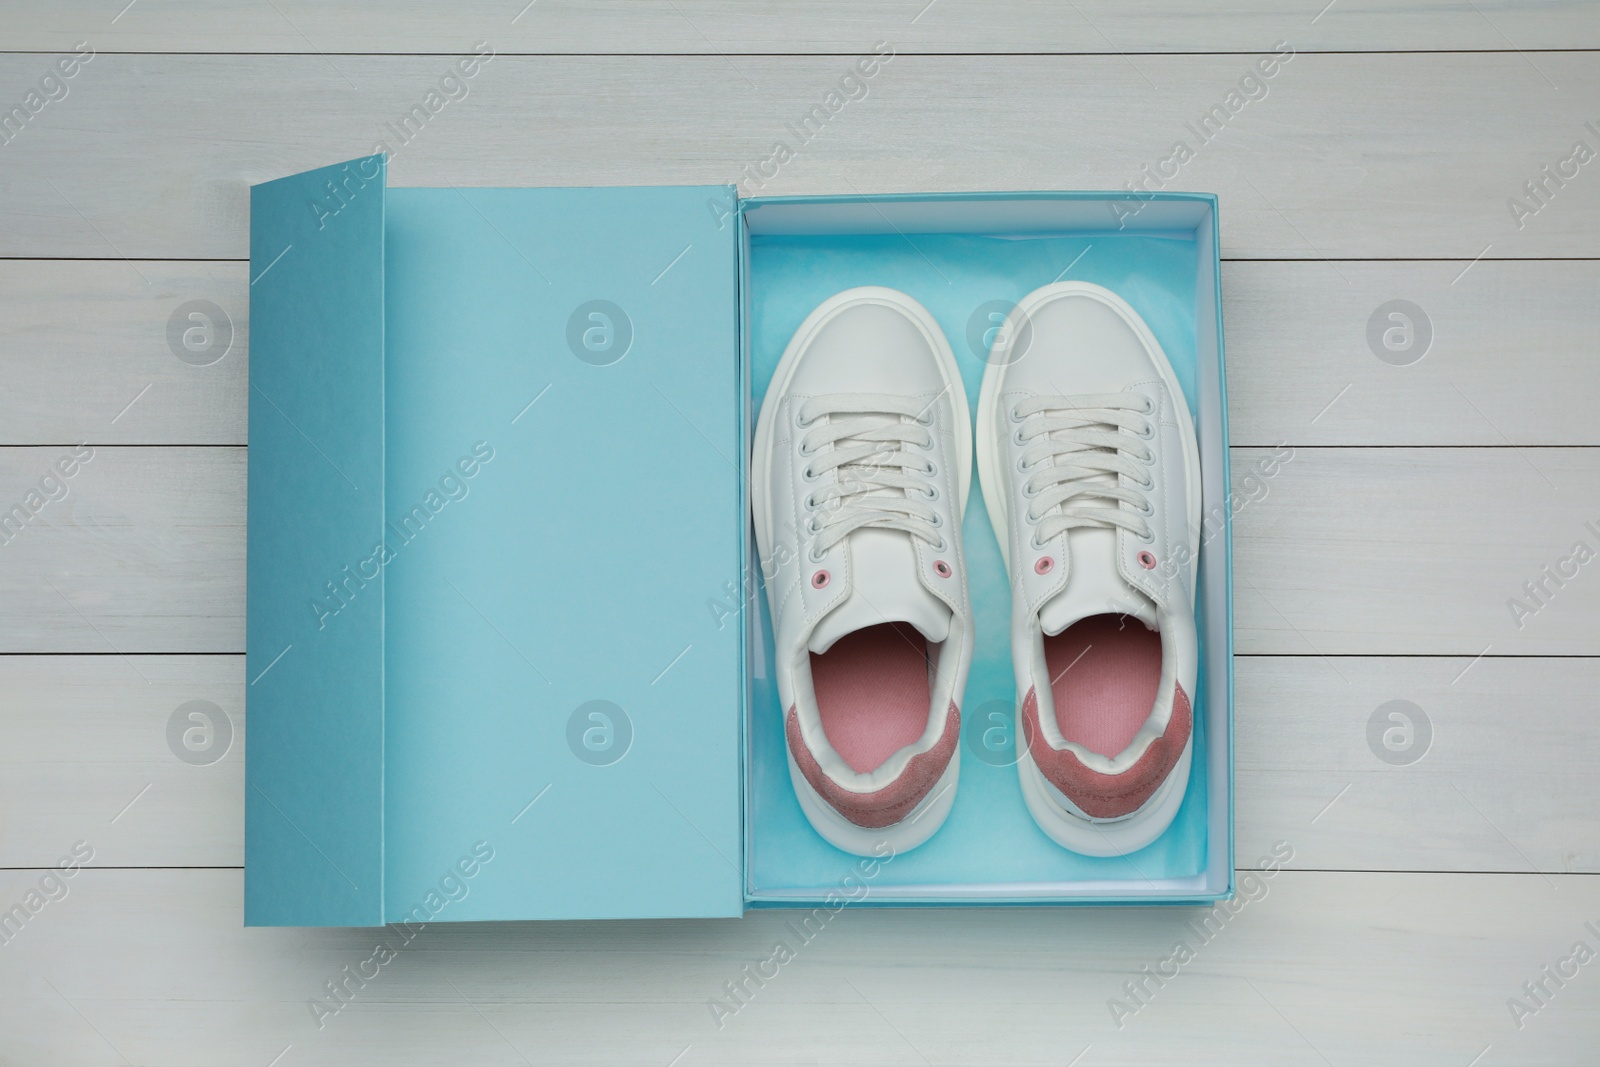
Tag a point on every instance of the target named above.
point(509, 655)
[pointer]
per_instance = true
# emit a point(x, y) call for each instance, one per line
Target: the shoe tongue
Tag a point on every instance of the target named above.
point(1094, 586)
point(884, 588)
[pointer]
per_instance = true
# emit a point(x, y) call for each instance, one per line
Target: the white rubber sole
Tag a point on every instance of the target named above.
point(930, 814)
point(919, 824)
point(1071, 828)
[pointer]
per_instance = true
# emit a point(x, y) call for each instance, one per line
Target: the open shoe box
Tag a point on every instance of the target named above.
point(508, 652)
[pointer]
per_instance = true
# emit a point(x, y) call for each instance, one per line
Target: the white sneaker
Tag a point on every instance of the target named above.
point(862, 464)
point(1090, 472)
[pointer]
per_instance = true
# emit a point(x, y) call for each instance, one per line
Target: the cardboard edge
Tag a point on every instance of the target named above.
point(313, 805)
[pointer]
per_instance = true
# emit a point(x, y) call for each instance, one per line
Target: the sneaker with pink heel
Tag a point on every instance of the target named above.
point(860, 474)
point(1090, 472)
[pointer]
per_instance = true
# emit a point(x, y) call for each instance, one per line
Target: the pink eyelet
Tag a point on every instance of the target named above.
point(1147, 561)
point(942, 569)
point(1044, 566)
point(819, 580)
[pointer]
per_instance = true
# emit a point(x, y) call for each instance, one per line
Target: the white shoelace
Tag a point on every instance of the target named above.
point(878, 445)
point(1079, 446)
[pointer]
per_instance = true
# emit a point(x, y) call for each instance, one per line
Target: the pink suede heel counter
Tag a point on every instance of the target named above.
point(1109, 796)
point(893, 802)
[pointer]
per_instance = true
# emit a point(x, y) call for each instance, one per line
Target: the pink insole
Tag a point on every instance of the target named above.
point(872, 692)
point(1103, 674)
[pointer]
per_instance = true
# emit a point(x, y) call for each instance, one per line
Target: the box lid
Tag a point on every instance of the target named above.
point(553, 558)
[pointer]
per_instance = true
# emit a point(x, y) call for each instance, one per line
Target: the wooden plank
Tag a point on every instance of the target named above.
point(704, 26)
point(1482, 766)
point(1510, 357)
point(139, 550)
point(1404, 551)
point(1325, 164)
point(1502, 354)
point(1318, 968)
point(85, 750)
point(107, 352)
point(1342, 551)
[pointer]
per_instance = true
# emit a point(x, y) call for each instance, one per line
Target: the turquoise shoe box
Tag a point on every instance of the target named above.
point(507, 647)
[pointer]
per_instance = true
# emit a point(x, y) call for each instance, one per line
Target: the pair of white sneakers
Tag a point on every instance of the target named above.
point(1089, 467)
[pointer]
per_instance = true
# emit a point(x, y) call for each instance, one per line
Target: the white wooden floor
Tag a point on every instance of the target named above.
point(1424, 890)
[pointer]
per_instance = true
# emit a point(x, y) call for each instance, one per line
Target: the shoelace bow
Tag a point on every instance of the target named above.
point(1079, 446)
point(872, 441)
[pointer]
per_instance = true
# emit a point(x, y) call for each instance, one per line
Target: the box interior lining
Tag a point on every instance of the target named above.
point(954, 254)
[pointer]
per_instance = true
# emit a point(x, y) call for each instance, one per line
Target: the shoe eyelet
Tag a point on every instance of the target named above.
point(813, 527)
point(1146, 508)
point(1149, 406)
point(1146, 559)
point(814, 556)
point(1149, 432)
point(932, 491)
point(820, 580)
point(1018, 438)
point(1148, 537)
point(925, 420)
point(1149, 457)
point(942, 569)
point(932, 470)
point(938, 521)
point(808, 474)
point(1015, 417)
point(1028, 491)
point(1044, 565)
point(1146, 485)
point(1022, 466)
point(810, 502)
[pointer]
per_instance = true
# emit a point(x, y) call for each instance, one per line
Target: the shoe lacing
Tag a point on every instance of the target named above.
point(1080, 444)
point(877, 446)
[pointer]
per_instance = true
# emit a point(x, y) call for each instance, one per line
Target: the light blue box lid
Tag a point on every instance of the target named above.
point(505, 425)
